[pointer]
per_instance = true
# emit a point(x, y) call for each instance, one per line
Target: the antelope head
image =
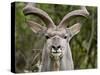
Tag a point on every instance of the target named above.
point(57, 36)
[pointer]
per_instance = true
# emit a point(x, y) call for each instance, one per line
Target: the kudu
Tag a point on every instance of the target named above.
point(56, 54)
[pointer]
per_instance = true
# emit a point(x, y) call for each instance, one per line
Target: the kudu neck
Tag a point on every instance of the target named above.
point(66, 62)
point(55, 62)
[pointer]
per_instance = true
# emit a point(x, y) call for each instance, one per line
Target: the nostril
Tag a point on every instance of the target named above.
point(53, 47)
point(59, 46)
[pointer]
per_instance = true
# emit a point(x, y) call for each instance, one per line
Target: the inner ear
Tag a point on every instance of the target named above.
point(35, 27)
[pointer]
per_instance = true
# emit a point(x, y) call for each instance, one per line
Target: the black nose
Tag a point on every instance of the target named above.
point(56, 47)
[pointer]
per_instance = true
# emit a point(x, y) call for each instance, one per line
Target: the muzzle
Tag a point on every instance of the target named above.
point(56, 52)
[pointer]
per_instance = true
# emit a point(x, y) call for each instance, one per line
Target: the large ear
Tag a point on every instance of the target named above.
point(35, 27)
point(75, 29)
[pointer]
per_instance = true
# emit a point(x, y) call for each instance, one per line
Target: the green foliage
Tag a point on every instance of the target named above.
point(83, 45)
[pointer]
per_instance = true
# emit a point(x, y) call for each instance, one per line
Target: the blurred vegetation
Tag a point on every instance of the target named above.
point(83, 45)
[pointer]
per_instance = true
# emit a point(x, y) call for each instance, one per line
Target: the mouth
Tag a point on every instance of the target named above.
point(56, 52)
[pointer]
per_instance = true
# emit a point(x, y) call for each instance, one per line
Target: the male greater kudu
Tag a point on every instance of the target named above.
point(56, 54)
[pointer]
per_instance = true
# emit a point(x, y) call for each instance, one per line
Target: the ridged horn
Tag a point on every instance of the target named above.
point(80, 12)
point(31, 10)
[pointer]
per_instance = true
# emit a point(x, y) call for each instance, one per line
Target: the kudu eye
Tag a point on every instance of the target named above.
point(65, 37)
point(47, 37)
